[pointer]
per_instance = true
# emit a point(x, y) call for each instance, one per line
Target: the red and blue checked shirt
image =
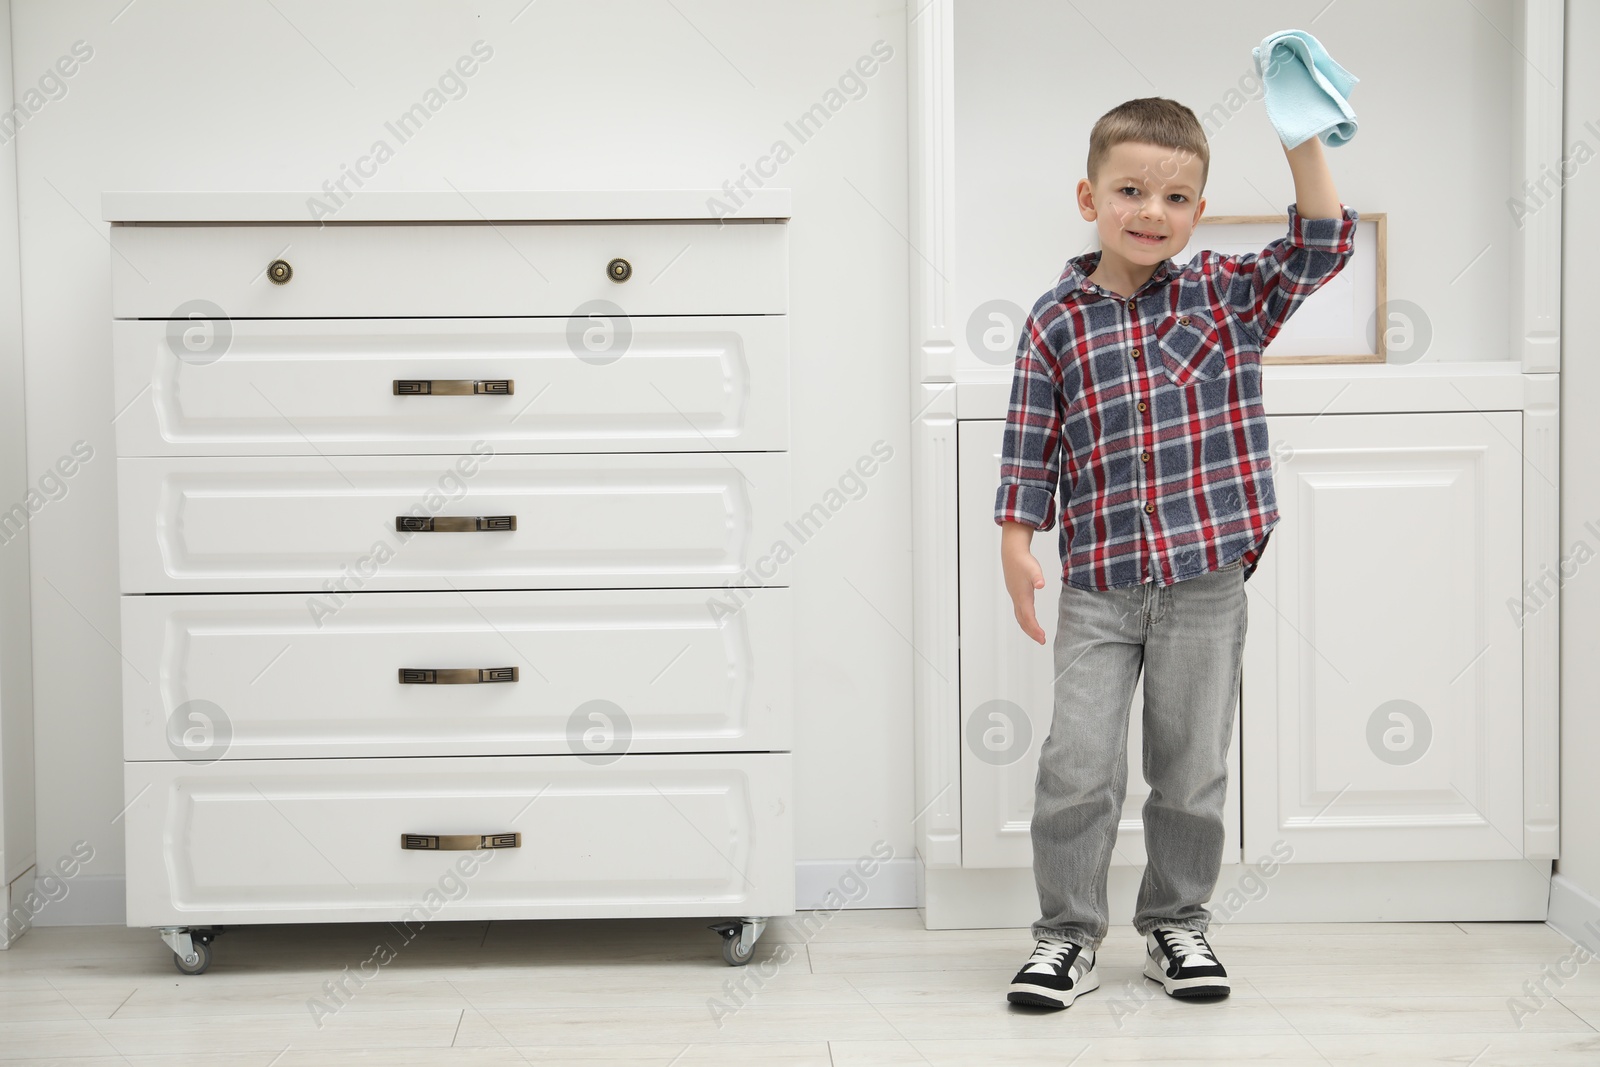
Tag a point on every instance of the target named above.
point(1146, 410)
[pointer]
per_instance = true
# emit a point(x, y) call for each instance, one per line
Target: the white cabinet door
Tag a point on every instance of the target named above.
point(1383, 671)
point(1007, 692)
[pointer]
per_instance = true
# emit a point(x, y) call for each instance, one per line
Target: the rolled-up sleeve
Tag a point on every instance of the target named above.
point(1030, 453)
point(1264, 288)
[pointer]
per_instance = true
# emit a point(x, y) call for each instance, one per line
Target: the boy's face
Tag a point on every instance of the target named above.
point(1144, 189)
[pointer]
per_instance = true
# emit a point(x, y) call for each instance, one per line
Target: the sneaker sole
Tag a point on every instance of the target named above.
point(1044, 997)
point(1186, 987)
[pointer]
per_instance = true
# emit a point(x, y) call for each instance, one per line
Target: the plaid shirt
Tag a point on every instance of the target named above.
point(1147, 409)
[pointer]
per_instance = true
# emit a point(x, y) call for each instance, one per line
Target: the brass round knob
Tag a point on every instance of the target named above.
point(280, 272)
point(619, 270)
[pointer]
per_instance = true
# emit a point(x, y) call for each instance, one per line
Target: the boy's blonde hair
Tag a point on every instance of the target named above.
point(1149, 120)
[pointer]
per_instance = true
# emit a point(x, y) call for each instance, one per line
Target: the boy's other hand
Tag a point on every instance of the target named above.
point(1022, 574)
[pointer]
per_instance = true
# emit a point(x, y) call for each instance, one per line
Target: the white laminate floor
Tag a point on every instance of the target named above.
point(856, 988)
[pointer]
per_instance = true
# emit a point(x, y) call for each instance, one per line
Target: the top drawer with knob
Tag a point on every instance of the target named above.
point(447, 269)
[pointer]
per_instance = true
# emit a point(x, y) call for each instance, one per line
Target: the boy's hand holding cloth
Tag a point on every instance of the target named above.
point(1307, 93)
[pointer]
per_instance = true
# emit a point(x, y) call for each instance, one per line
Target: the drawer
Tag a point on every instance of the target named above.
point(362, 270)
point(341, 387)
point(599, 672)
point(328, 525)
point(265, 841)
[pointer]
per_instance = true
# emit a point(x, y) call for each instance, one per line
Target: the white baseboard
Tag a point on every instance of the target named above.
point(9, 933)
point(1574, 913)
point(892, 885)
point(1004, 898)
point(956, 898)
point(90, 900)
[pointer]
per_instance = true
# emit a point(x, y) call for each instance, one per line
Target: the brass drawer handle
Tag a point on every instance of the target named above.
point(453, 523)
point(456, 675)
point(454, 387)
point(619, 270)
point(459, 842)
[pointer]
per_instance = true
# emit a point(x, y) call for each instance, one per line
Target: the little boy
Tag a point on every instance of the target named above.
point(1137, 389)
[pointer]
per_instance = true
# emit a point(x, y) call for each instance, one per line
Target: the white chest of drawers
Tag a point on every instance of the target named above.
point(437, 541)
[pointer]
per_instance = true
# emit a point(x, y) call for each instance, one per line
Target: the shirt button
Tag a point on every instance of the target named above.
point(1135, 353)
point(1183, 320)
point(1131, 305)
point(1142, 405)
point(1148, 508)
point(1145, 456)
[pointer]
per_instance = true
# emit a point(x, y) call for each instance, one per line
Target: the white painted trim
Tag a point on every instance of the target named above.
point(1539, 36)
point(1421, 891)
point(1335, 389)
point(935, 634)
point(931, 141)
point(1541, 629)
point(893, 885)
point(1574, 913)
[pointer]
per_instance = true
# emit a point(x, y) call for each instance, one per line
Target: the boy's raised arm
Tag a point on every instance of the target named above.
point(1314, 194)
point(1263, 289)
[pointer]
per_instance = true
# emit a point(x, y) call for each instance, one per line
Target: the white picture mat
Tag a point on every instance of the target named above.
point(1339, 319)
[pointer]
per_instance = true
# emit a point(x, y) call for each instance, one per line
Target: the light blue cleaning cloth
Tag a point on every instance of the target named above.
point(1307, 93)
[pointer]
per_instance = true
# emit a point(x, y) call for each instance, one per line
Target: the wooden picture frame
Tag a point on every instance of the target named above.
point(1371, 240)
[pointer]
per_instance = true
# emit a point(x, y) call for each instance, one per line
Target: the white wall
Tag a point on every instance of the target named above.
point(16, 674)
point(184, 94)
point(194, 95)
point(1579, 865)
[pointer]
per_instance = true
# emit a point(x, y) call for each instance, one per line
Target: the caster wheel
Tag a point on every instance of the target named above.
point(734, 933)
point(196, 964)
point(731, 953)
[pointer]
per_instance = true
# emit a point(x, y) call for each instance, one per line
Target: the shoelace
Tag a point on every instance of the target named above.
point(1047, 957)
point(1187, 943)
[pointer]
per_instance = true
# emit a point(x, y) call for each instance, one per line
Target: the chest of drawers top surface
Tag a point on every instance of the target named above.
point(562, 205)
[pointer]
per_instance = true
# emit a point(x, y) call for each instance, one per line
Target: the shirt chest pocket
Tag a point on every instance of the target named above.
point(1192, 346)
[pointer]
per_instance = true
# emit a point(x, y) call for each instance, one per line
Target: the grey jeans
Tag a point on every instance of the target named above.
point(1188, 638)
